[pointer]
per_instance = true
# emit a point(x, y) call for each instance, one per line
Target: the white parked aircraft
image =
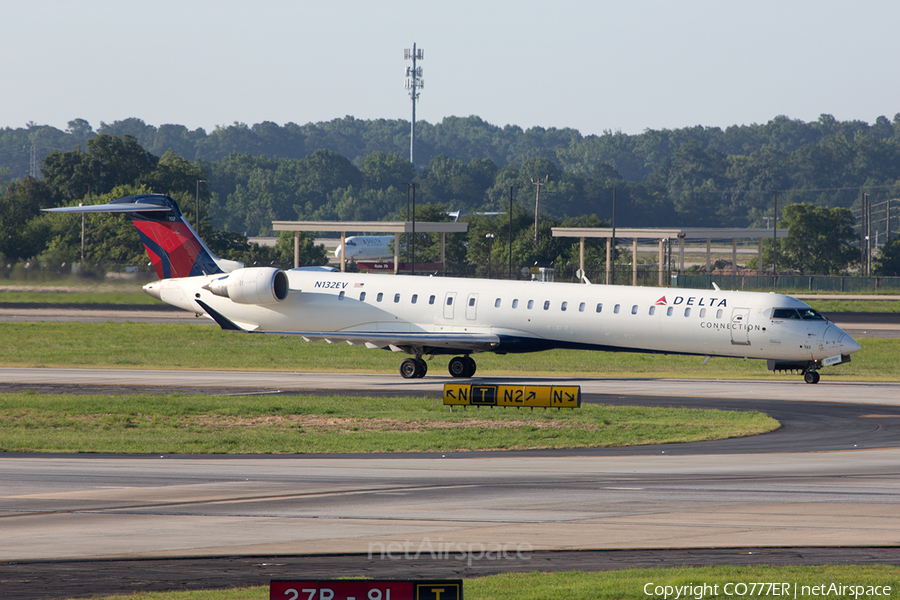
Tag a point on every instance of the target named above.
point(426, 316)
point(367, 247)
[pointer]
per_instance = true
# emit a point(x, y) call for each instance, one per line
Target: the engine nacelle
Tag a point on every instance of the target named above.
point(257, 285)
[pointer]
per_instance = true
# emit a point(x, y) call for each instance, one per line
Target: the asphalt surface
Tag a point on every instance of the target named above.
point(807, 427)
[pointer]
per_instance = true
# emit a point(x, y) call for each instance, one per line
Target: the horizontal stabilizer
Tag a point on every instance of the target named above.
point(110, 208)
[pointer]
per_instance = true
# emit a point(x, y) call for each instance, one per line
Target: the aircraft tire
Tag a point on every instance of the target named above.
point(421, 368)
point(811, 377)
point(472, 366)
point(409, 368)
point(459, 366)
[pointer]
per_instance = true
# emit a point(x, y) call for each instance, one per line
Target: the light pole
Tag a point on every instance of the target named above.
point(490, 239)
point(411, 241)
point(199, 181)
point(537, 203)
point(510, 230)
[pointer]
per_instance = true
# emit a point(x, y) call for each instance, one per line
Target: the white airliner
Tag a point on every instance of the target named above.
point(367, 247)
point(426, 316)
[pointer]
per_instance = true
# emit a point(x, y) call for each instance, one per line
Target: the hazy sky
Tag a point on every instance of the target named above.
point(590, 65)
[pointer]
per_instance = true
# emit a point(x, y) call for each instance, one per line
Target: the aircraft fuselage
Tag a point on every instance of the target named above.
point(529, 316)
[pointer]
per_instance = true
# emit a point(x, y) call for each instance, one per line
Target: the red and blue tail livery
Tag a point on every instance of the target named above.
point(174, 248)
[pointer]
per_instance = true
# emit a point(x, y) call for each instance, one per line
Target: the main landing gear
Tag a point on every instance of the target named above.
point(811, 376)
point(416, 368)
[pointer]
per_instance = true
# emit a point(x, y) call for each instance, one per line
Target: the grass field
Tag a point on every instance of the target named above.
point(723, 583)
point(179, 424)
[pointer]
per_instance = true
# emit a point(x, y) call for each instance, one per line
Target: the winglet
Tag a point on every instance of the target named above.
point(223, 321)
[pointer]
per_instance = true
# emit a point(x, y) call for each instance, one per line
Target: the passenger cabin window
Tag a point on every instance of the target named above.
point(396, 297)
point(515, 303)
point(362, 296)
point(415, 298)
point(719, 314)
point(546, 305)
point(431, 299)
point(687, 312)
point(652, 310)
point(471, 301)
point(669, 311)
point(581, 307)
point(616, 308)
point(702, 313)
point(634, 309)
point(341, 295)
point(600, 307)
point(497, 303)
point(530, 304)
point(449, 300)
point(379, 297)
point(564, 306)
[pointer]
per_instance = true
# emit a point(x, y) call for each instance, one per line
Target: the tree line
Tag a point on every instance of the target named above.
point(242, 193)
point(695, 176)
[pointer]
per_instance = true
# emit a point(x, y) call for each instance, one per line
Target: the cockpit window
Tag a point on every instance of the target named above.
point(806, 314)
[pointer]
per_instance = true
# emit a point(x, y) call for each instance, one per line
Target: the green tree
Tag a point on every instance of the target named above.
point(820, 240)
point(887, 263)
point(20, 204)
point(382, 170)
point(109, 162)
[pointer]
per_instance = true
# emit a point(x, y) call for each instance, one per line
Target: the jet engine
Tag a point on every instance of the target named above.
point(257, 285)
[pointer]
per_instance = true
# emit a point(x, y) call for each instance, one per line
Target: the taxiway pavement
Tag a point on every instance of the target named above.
point(76, 507)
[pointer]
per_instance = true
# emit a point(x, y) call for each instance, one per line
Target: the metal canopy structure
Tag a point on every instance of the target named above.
point(395, 227)
point(664, 235)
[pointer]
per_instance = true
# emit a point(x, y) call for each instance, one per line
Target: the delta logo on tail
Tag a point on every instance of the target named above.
point(661, 301)
point(174, 250)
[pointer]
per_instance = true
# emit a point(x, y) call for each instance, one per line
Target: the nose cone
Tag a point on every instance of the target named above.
point(849, 345)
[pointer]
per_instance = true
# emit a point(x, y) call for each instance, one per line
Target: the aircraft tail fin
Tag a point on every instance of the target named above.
point(174, 248)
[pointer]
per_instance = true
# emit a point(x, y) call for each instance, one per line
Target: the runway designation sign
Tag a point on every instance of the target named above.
point(546, 396)
point(366, 589)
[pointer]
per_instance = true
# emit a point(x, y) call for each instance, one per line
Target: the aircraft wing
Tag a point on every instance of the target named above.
point(463, 342)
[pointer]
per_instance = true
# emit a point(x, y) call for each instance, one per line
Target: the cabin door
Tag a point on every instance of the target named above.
point(740, 327)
